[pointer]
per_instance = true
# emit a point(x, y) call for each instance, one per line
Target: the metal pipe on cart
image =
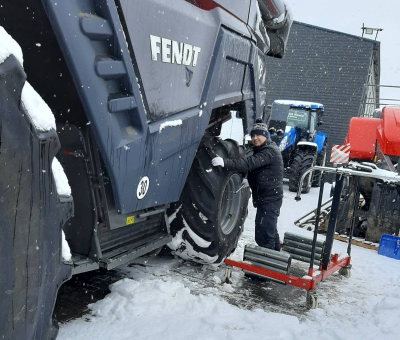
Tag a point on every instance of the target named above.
point(333, 214)
point(332, 220)
point(355, 205)
point(321, 192)
point(317, 215)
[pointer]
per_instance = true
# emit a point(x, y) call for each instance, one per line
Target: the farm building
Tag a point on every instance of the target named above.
point(339, 70)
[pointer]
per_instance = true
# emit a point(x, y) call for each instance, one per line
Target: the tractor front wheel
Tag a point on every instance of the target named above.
point(302, 161)
point(321, 161)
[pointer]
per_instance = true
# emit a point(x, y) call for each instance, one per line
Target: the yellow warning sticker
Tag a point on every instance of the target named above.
point(130, 220)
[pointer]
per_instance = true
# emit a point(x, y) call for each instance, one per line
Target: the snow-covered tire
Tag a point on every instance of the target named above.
point(302, 161)
point(321, 161)
point(32, 215)
point(208, 219)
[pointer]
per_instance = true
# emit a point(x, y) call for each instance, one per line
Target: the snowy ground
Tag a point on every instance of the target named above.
point(166, 298)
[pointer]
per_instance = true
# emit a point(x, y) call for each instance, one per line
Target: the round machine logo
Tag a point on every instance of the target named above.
point(143, 187)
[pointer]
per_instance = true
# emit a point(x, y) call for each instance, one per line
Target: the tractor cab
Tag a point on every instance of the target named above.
point(293, 121)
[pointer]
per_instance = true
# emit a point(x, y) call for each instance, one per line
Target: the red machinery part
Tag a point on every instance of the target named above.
point(306, 283)
point(388, 133)
point(364, 132)
point(362, 137)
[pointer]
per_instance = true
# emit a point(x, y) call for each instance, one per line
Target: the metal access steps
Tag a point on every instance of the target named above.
point(109, 68)
point(125, 254)
point(120, 255)
point(95, 27)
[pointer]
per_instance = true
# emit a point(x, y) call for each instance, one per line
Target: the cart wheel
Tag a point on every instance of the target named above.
point(345, 271)
point(312, 299)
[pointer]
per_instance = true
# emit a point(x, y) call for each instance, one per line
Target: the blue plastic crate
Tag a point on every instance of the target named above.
point(390, 246)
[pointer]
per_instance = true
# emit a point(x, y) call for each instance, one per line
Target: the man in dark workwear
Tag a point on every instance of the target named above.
point(265, 177)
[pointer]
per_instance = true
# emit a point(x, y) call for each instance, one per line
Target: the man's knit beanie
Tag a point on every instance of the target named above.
point(259, 128)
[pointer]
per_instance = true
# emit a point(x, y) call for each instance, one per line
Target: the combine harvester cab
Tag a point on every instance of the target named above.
point(294, 128)
point(139, 91)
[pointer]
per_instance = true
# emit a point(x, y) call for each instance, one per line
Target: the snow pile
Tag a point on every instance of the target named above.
point(9, 46)
point(170, 123)
point(63, 188)
point(38, 111)
point(65, 249)
point(166, 309)
point(365, 306)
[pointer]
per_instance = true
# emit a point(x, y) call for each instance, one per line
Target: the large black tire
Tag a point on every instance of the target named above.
point(209, 217)
point(321, 161)
point(31, 218)
point(302, 161)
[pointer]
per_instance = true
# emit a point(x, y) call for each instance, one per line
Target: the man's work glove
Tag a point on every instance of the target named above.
point(217, 161)
point(245, 183)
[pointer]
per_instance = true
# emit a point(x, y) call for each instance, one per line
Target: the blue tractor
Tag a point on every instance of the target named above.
point(294, 128)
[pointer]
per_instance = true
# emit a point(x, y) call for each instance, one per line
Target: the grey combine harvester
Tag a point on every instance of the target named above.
point(139, 91)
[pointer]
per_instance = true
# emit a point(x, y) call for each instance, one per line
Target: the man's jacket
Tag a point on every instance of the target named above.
point(265, 172)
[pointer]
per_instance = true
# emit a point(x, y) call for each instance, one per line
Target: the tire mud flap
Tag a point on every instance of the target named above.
point(31, 218)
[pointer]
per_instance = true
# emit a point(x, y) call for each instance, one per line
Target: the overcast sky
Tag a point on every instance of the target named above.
point(348, 16)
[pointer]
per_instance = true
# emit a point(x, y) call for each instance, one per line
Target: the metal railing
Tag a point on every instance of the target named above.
point(385, 175)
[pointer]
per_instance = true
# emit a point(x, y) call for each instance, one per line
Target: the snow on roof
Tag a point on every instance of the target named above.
point(297, 103)
point(9, 46)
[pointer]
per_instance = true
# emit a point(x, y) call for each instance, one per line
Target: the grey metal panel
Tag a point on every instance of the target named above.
point(131, 145)
point(239, 8)
point(172, 87)
point(323, 66)
point(236, 54)
point(233, 58)
point(85, 267)
point(253, 15)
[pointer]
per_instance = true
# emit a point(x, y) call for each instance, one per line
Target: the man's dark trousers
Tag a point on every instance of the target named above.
point(266, 225)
